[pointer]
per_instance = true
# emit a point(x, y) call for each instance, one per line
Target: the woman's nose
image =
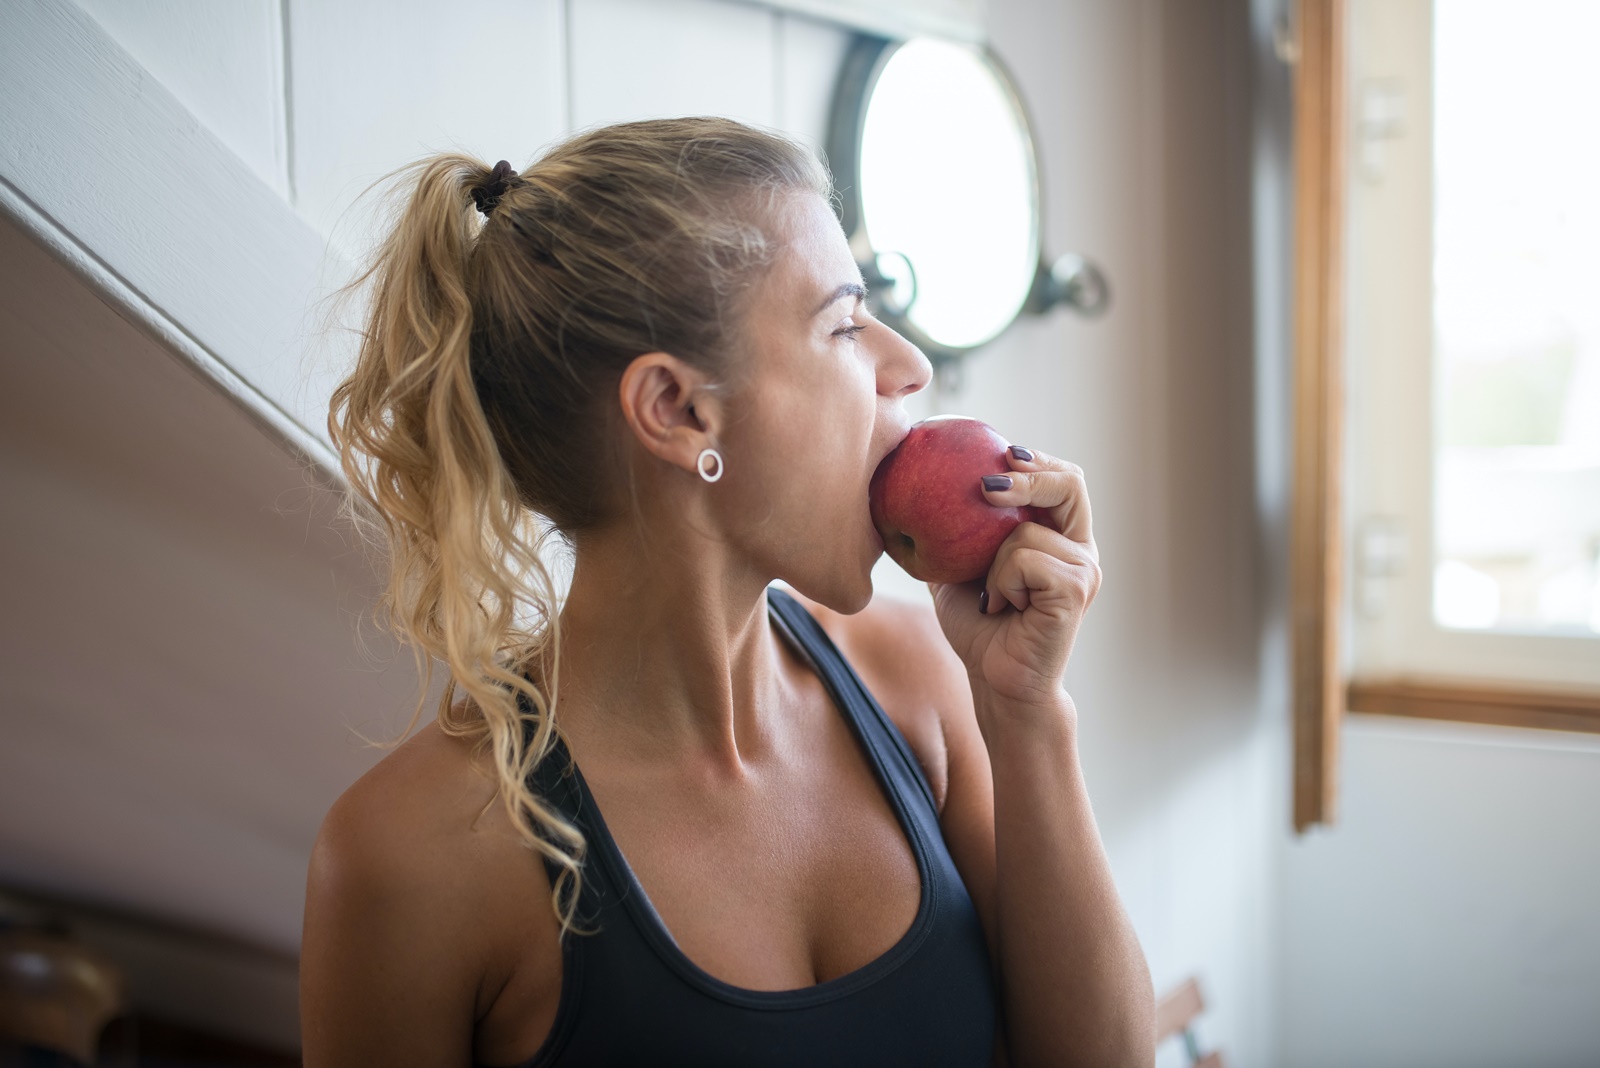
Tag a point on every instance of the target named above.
point(902, 368)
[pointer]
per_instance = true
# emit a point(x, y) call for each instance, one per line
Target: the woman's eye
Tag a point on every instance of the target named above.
point(850, 331)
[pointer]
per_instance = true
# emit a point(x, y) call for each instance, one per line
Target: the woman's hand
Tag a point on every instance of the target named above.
point(1015, 629)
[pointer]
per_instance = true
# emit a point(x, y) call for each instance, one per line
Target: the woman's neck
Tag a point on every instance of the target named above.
point(667, 652)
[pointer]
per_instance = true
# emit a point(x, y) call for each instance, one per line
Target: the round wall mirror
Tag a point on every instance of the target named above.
point(934, 158)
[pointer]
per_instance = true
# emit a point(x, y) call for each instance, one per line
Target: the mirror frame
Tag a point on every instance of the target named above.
point(858, 77)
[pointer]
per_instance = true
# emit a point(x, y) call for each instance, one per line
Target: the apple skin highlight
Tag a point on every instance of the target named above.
point(927, 504)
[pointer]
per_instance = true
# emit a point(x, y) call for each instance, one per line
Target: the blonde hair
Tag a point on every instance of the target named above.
point(484, 392)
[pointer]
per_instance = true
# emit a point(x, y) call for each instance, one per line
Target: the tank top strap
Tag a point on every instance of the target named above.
point(870, 723)
point(555, 781)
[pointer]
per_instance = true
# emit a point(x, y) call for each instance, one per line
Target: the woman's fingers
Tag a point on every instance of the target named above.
point(1038, 566)
point(1045, 482)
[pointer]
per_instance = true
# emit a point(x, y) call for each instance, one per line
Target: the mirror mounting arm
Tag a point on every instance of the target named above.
point(1072, 281)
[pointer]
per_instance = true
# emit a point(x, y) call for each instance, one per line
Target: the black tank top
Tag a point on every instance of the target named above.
point(630, 996)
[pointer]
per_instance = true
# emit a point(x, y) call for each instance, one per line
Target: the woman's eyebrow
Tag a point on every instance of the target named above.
point(849, 289)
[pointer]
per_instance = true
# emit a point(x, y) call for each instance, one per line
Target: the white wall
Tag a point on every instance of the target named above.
point(1144, 112)
point(489, 79)
point(1449, 918)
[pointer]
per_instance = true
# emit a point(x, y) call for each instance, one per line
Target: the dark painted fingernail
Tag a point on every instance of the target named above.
point(983, 602)
point(1022, 454)
point(996, 483)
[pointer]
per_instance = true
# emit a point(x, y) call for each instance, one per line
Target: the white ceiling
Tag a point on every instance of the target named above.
point(177, 630)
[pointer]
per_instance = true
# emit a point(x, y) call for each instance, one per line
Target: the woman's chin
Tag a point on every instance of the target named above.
point(845, 593)
point(860, 593)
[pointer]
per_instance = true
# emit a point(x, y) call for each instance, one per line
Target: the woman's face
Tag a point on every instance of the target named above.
point(821, 402)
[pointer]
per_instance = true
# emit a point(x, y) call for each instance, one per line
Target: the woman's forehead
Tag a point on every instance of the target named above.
point(816, 260)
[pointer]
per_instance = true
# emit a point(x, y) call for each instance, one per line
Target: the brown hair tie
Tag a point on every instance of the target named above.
point(488, 194)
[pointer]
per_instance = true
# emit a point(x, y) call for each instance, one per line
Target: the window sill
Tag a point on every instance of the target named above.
point(1470, 701)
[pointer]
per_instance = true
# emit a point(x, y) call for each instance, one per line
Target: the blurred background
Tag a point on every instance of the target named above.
point(190, 670)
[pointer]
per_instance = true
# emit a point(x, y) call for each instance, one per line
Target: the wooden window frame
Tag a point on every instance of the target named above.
point(1471, 701)
point(1320, 695)
point(1316, 550)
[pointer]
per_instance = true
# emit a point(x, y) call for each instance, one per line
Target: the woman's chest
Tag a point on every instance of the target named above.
point(782, 882)
point(796, 875)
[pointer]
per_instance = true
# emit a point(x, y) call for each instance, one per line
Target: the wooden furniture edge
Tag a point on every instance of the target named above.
point(1470, 701)
point(1315, 551)
point(1177, 1009)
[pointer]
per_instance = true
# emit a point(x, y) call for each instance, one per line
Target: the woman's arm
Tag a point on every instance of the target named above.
point(1075, 987)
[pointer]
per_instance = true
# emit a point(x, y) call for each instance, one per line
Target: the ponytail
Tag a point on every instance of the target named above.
point(421, 458)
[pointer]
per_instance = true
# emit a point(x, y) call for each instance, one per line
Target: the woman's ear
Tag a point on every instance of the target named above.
point(669, 407)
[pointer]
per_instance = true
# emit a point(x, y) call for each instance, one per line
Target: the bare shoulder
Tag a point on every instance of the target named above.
point(416, 884)
point(901, 653)
point(403, 816)
point(427, 821)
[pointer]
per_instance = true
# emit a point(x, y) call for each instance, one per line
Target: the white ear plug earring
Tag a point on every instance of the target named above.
point(715, 467)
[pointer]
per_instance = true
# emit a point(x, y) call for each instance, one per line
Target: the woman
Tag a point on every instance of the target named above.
point(666, 822)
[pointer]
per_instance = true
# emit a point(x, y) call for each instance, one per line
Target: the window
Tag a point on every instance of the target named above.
point(1473, 342)
point(1516, 451)
point(1458, 279)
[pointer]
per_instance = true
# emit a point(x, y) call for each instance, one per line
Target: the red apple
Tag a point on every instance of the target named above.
point(928, 504)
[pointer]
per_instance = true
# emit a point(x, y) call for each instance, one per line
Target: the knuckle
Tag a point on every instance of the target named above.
point(1031, 534)
point(1084, 584)
point(1031, 556)
point(1045, 462)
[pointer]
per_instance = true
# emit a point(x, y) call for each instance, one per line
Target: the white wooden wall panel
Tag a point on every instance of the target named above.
point(961, 20)
point(106, 159)
point(378, 83)
point(809, 57)
point(224, 62)
point(640, 59)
